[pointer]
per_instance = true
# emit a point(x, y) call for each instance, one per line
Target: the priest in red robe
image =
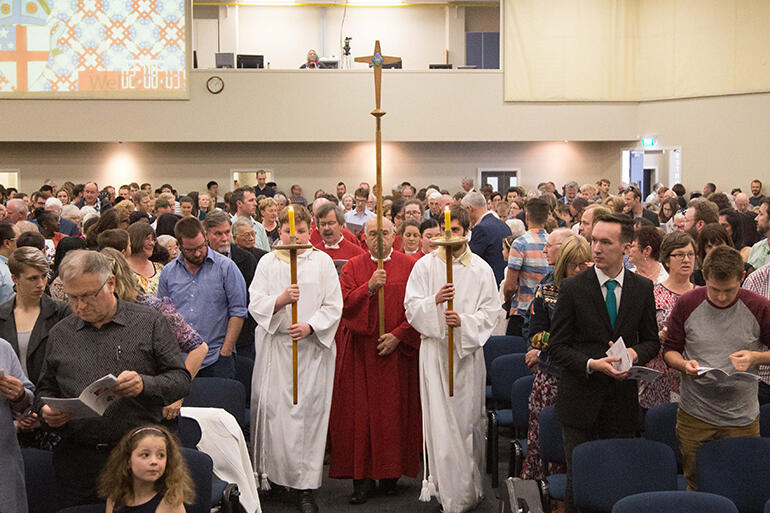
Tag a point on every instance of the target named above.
point(315, 232)
point(375, 423)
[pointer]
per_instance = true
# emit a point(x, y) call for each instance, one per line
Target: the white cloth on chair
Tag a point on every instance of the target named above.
point(222, 439)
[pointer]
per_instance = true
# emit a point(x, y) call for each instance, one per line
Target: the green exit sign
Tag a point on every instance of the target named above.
point(648, 142)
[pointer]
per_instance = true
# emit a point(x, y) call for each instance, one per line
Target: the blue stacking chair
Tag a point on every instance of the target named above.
point(764, 420)
point(552, 451)
point(675, 502)
point(505, 371)
point(605, 471)
point(767, 506)
point(736, 468)
point(499, 346)
point(189, 432)
point(520, 392)
point(210, 491)
point(227, 394)
point(660, 425)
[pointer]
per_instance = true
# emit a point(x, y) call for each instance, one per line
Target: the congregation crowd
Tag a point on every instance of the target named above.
point(158, 288)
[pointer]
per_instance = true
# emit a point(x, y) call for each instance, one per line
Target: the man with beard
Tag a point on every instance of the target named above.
point(209, 291)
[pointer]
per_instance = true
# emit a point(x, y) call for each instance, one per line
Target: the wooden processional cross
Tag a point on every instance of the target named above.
point(377, 60)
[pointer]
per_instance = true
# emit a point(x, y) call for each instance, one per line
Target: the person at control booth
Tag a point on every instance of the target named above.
point(312, 61)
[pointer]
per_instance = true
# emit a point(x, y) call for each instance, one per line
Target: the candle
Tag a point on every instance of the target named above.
point(291, 221)
point(447, 219)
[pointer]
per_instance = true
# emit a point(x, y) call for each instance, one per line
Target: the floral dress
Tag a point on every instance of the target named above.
point(665, 389)
point(546, 382)
point(150, 285)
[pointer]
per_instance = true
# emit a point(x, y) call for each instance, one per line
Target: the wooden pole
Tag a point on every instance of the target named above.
point(450, 306)
point(380, 256)
point(376, 60)
point(293, 266)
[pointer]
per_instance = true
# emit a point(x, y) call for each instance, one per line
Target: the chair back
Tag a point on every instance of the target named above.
point(499, 345)
point(506, 369)
point(227, 394)
point(660, 425)
point(678, 501)
point(736, 468)
point(605, 471)
point(189, 432)
point(39, 480)
point(551, 441)
point(201, 471)
point(520, 392)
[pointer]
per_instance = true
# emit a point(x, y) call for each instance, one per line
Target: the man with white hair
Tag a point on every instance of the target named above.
point(66, 226)
point(434, 206)
point(17, 210)
point(487, 233)
point(467, 184)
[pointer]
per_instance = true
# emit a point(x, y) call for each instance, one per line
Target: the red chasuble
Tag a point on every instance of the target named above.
point(375, 425)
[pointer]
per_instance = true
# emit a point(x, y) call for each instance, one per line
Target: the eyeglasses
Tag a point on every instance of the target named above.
point(329, 224)
point(682, 256)
point(247, 235)
point(196, 249)
point(88, 296)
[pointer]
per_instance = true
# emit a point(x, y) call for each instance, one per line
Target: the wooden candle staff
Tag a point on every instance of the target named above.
point(449, 243)
point(292, 248)
point(376, 60)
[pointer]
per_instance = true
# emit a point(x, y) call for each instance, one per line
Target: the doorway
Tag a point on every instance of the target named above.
point(499, 178)
point(244, 177)
point(9, 178)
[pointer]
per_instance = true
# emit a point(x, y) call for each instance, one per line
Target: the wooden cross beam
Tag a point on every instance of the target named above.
point(377, 60)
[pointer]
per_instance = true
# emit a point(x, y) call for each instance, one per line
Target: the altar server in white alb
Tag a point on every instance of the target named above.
point(289, 439)
point(454, 428)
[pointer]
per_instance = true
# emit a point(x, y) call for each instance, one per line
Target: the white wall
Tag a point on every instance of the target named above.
point(324, 105)
point(724, 139)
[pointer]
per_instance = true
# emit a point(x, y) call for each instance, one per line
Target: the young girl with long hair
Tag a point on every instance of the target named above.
point(146, 473)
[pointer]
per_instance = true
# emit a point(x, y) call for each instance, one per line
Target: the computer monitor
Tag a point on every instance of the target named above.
point(439, 66)
point(251, 61)
point(330, 62)
point(224, 60)
point(393, 65)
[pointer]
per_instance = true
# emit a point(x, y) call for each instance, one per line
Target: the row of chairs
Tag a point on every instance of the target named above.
point(606, 471)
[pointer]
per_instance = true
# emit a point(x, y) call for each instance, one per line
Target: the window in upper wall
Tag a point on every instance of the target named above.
point(424, 35)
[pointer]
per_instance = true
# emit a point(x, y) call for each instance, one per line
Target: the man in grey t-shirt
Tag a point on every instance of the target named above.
point(727, 328)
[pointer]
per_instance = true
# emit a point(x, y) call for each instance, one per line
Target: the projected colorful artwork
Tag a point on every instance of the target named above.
point(98, 48)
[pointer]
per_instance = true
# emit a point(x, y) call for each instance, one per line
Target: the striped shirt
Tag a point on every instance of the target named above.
point(527, 257)
point(759, 282)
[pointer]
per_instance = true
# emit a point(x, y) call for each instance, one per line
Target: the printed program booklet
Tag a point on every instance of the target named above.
point(92, 401)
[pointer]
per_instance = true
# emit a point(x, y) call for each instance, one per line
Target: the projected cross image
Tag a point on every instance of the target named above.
point(98, 47)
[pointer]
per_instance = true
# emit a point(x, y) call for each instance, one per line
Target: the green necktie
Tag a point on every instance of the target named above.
point(611, 301)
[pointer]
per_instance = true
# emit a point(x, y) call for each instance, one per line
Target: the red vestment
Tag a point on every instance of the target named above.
point(345, 250)
point(315, 236)
point(375, 424)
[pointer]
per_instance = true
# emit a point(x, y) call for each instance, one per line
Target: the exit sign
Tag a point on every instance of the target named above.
point(648, 142)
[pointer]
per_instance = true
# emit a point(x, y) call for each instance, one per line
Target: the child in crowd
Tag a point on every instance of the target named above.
point(146, 474)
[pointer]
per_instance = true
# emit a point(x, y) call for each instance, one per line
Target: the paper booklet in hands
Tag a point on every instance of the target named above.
point(638, 372)
point(91, 402)
point(722, 376)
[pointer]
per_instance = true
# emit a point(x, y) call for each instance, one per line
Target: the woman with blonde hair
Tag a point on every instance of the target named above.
point(574, 257)
point(146, 473)
point(268, 211)
point(190, 342)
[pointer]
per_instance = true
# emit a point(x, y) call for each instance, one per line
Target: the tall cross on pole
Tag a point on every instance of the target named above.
point(377, 60)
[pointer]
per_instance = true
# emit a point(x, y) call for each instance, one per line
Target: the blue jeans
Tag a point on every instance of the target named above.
point(224, 367)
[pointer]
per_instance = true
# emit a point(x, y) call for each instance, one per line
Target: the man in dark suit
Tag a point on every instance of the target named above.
point(487, 234)
point(594, 309)
point(217, 226)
